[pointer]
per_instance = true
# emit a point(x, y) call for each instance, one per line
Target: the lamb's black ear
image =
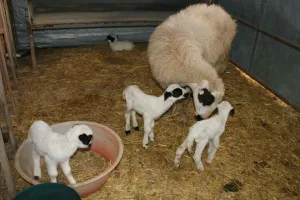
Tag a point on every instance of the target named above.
point(110, 38)
point(177, 92)
point(205, 97)
point(167, 95)
point(85, 139)
point(232, 111)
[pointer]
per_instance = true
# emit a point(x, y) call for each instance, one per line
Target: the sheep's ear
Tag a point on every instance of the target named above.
point(85, 139)
point(205, 84)
point(167, 95)
point(205, 97)
point(232, 111)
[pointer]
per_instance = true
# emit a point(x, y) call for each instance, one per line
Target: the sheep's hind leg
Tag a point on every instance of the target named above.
point(197, 156)
point(65, 166)
point(36, 165)
point(147, 131)
point(52, 169)
point(180, 150)
point(134, 121)
point(213, 147)
point(151, 135)
point(127, 119)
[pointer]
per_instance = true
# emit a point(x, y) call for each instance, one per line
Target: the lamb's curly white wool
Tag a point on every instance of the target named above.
point(149, 106)
point(203, 132)
point(57, 148)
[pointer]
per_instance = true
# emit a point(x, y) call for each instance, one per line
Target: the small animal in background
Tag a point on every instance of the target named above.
point(149, 106)
point(57, 148)
point(117, 45)
point(203, 132)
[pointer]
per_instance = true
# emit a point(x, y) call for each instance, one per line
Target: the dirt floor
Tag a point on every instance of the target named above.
point(259, 150)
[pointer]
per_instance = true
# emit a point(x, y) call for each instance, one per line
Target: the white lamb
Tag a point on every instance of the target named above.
point(57, 148)
point(117, 45)
point(150, 107)
point(203, 132)
point(191, 46)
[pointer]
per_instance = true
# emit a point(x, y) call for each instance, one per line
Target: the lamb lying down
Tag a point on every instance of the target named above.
point(57, 148)
point(116, 45)
point(150, 107)
point(203, 132)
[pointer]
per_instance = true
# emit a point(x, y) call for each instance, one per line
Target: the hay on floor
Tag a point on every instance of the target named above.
point(259, 149)
point(84, 164)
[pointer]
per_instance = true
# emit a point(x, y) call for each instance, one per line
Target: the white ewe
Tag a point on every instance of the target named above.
point(190, 47)
point(57, 148)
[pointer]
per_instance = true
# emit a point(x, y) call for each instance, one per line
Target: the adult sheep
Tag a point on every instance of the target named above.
point(191, 48)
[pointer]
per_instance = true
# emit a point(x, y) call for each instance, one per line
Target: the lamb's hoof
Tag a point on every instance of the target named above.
point(145, 146)
point(176, 165)
point(36, 178)
point(200, 168)
point(73, 182)
point(208, 161)
point(136, 128)
point(127, 132)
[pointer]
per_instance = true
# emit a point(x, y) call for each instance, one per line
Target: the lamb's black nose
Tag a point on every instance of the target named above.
point(186, 95)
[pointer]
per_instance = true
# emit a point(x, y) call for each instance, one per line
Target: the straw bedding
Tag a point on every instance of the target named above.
point(259, 153)
point(85, 165)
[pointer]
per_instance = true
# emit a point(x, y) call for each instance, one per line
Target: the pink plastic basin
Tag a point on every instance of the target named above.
point(105, 142)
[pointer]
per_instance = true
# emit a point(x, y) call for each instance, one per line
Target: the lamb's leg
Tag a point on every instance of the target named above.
point(127, 119)
point(65, 166)
point(189, 143)
point(147, 130)
point(52, 169)
point(180, 150)
point(185, 106)
point(173, 109)
point(151, 135)
point(134, 121)
point(36, 165)
point(184, 118)
point(210, 146)
point(197, 156)
point(213, 147)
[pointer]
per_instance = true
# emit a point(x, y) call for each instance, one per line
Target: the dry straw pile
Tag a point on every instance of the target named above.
point(259, 153)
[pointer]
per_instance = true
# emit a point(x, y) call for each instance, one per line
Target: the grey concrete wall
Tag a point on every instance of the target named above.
point(272, 62)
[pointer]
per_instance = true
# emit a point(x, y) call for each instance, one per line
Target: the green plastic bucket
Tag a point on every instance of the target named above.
point(48, 191)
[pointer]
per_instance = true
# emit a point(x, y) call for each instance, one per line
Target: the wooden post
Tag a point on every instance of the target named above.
point(7, 84)
point(6, 169)
point(7, 114)
point(30, 33)
point(7, 41)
